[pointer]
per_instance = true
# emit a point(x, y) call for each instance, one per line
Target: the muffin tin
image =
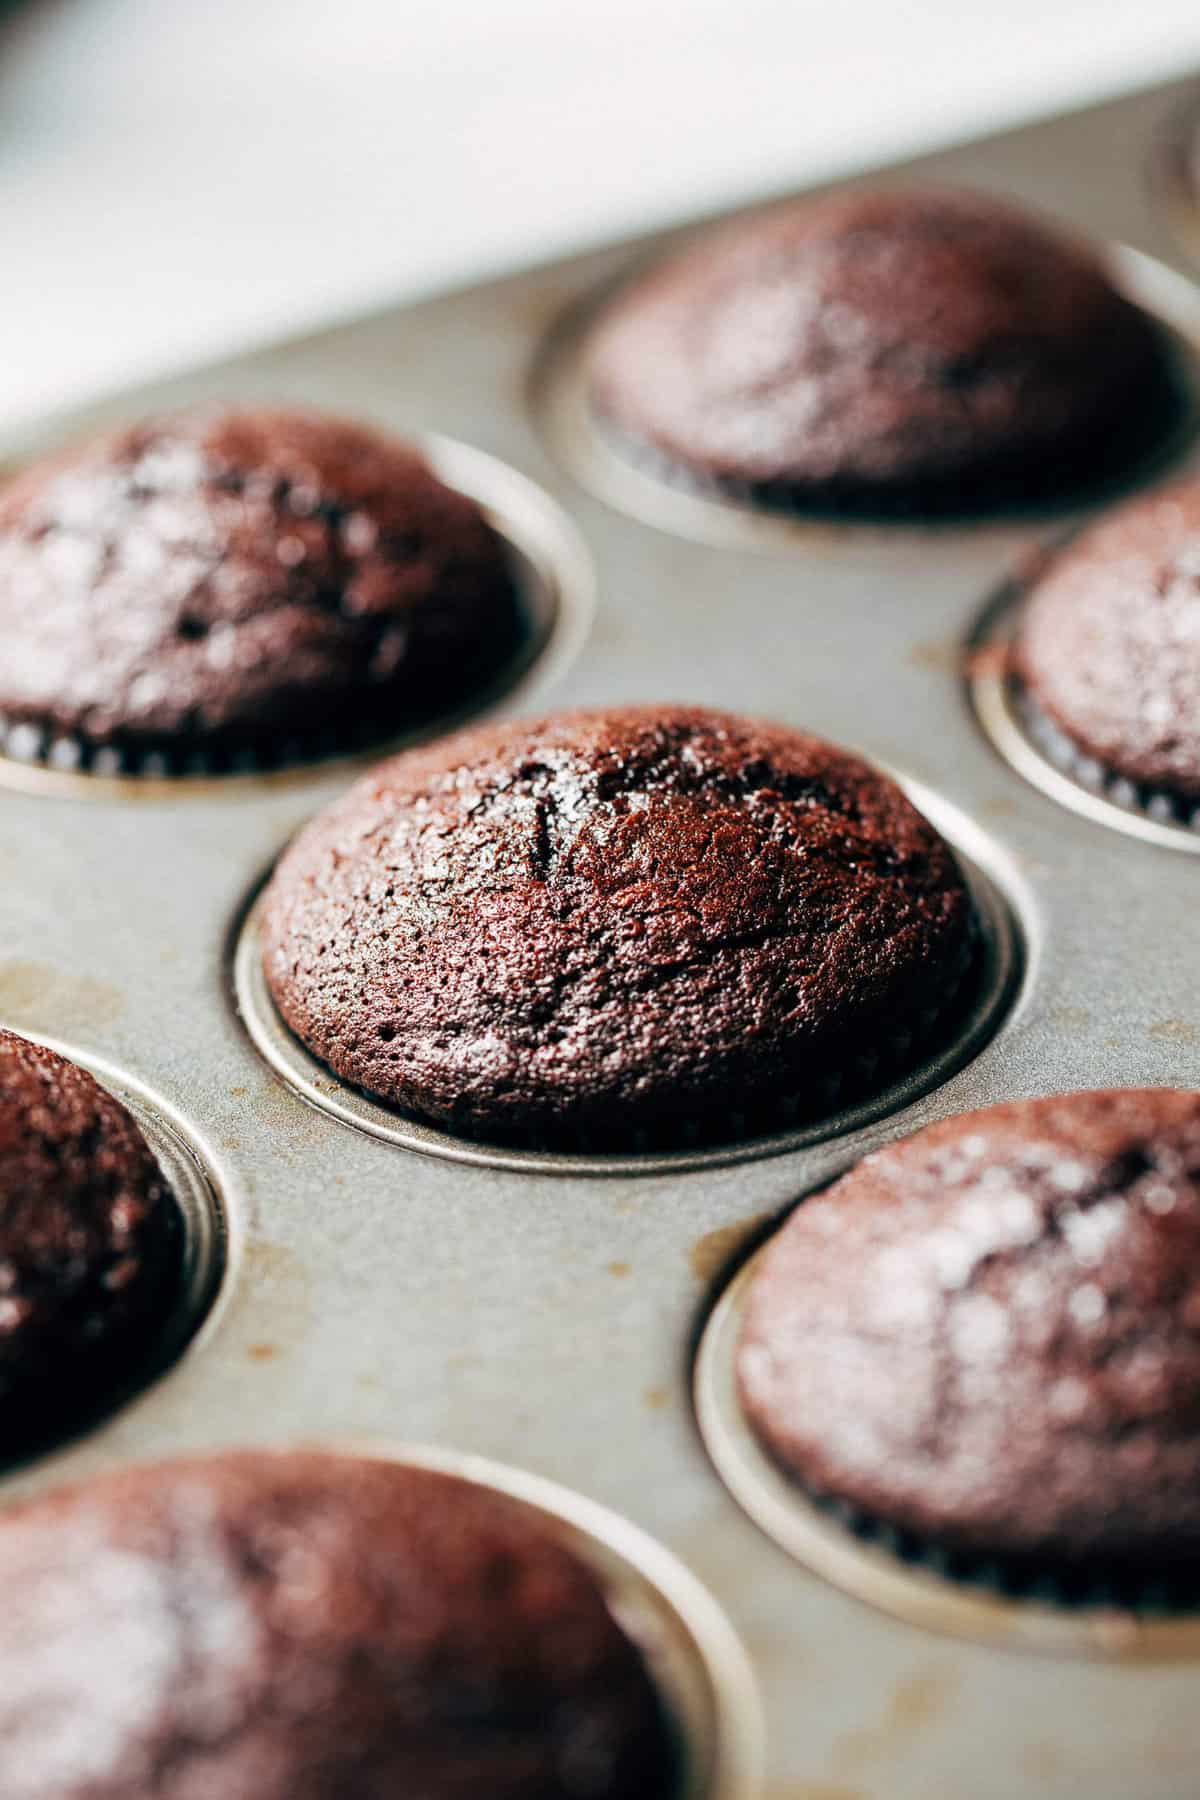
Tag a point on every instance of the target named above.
point(545, 1311)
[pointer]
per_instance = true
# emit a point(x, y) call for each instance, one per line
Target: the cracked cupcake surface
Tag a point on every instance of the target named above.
point(262, 581)
point(653, 920)
point(989, 1334)
point(90, 1243)
point(1109, 642)
point(908, 349)
point(306, 1626)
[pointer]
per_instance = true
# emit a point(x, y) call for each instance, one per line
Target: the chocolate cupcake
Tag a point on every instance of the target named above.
point(1108, 650)
point(885, 351)
point(90, 1244)
point(988, 1336)
point(612, 928)
point(259, 585)
point(309, 1627)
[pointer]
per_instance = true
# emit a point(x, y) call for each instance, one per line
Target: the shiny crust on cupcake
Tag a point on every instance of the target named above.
point(1109, 642)
point(90, 1243)
point(658, 922)
point(920, 349)
point(988, 1334)
point(265, 582)
point(310, 1627)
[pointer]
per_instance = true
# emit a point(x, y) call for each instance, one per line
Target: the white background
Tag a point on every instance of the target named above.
point(182, 177)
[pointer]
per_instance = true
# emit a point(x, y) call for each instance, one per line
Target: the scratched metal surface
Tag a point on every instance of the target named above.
point(548, 1319)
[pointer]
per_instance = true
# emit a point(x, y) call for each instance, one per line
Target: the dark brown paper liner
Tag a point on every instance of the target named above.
point(1169, 1591)
point(41, 746)
point(1159, 804)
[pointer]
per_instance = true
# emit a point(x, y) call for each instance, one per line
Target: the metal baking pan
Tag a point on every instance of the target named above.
point(387, 1285)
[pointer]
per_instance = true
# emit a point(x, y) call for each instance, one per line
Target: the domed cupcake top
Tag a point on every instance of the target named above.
point(885, 348)
point(303, 1626)
point(600, 924)
point(89, 1240)
point(1109, 641)
point(989, 1334)
point(243, 581)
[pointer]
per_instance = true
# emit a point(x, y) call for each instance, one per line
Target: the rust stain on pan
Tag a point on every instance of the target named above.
point(275, 1290)
point(1068, 1019)
point(1175, 1031)
point(34, 994)
point(816, 1790)
point(710, 1253)
point(913, 1705)
point(942, 658)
